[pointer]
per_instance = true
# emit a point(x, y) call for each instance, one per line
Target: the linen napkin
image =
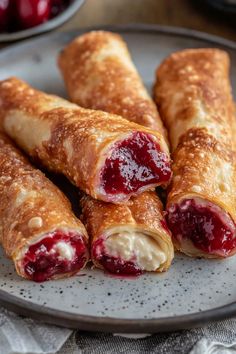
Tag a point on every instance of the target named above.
point(20, 335)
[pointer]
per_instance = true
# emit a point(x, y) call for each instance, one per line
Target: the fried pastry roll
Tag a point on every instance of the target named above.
point(193, 94)
point(105, 155)
point(128, 239)
point(38, 230)
point(99, 74)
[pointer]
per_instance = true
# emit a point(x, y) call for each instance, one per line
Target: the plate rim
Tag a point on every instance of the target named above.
point(110, 324)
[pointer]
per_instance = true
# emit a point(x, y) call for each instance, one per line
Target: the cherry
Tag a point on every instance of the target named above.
point(32, 13)
point(17, 15)
point(4, 15)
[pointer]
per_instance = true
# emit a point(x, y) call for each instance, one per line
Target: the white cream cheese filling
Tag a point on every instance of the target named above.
point(65, 250)
point(138, 247)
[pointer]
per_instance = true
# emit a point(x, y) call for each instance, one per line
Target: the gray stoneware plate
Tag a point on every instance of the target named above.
point(191, 293)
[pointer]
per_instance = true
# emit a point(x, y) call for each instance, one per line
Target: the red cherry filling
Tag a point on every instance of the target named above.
point(113, 265)
point(134, 163)
point(42, 260)
point(208, 227)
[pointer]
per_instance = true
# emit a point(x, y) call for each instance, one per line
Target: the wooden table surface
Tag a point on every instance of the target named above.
point(192, 14)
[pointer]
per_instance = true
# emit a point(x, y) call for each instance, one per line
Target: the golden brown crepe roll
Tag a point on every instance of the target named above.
point(105, 155)
point(130, 238)
point(99, 74)
point(38, 230)
point(193, 94)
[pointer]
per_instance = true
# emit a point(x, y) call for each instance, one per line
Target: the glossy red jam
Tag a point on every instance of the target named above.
point(134, 163)
point(113, 265)
point(40, 264)
point(209, 228)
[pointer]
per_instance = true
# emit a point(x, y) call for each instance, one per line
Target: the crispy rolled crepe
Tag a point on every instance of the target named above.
point(105, 155)
point(193, 94)
point(38, 230)
point(99, 74)
point(128, 239)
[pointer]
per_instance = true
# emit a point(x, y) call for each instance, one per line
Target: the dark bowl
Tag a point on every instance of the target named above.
point(46, 26)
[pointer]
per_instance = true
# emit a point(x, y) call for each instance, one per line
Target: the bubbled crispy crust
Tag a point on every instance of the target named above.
point(62, 136)
point(30, 205)
point(99, 74)
point(143, 213)
point(192, 89)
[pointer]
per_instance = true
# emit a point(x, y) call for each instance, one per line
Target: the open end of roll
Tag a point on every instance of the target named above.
point(134, 165)
point(128, 253)
point(57, 254)
point(210, 229)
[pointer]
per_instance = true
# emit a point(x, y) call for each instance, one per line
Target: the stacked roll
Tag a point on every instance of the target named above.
point(194, 97)
point(106, 156)
point(99, 74)
point(38, 229)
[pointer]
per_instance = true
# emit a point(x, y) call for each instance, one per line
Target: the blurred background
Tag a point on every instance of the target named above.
point(20, 19)
point(219, 19)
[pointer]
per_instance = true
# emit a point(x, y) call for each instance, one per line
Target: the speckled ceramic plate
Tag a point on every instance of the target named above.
point(192, 292)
